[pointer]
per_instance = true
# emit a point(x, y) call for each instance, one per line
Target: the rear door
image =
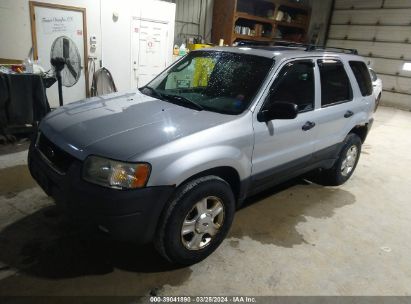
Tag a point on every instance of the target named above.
point(337, 105)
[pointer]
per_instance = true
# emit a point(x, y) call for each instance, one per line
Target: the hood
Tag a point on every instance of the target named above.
point(122, 125)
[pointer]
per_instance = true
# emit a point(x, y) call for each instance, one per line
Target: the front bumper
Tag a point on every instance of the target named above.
point(128, 215)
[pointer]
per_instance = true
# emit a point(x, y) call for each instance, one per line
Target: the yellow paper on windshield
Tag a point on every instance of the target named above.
point(202, 70)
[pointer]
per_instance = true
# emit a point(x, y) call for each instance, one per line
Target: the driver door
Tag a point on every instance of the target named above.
point(284, 147)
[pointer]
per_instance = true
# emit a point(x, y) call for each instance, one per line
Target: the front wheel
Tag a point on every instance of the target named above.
point(196, 221)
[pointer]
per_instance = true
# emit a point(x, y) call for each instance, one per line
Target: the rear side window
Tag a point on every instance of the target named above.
point(335, 84)
point(362, 75)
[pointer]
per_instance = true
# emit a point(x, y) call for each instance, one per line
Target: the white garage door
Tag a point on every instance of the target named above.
point(381, 31)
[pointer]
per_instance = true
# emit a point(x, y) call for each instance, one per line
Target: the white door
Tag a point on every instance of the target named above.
point(148, 50)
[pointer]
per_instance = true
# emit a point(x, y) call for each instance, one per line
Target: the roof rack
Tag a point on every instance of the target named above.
point(272, 44)
point(306, 47)
point(291, 44)
point(335, 49)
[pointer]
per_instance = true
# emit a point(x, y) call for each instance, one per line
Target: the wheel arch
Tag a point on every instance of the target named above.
point(227, 173)
point(230, 163)
point(361, 131)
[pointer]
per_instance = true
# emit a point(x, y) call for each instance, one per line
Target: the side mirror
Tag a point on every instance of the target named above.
point(278, 110)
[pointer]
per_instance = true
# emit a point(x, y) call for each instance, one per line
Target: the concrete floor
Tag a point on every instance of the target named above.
point(298, 239)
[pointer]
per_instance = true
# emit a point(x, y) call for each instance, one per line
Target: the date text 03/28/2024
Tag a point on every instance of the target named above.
point(203, 299)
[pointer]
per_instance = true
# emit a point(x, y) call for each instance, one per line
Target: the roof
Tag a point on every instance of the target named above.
point(282, 52)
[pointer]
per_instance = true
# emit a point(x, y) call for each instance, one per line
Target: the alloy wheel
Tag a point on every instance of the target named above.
point(348, 163)
point(202, 223)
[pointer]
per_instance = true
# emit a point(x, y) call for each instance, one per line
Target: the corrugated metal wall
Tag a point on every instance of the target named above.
point(193, 18)
point(381, 31)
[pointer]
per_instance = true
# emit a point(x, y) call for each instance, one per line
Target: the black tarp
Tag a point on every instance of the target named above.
point(22, 100)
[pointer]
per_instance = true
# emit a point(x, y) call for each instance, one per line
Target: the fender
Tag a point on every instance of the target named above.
point(225, 145)
point(190, 164)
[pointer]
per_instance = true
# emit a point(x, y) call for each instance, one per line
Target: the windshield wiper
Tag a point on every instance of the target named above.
point(180, 99)
point(175, 98)
point(153, 92)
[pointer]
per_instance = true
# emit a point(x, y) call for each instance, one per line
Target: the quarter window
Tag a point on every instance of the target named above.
point(335, 84)
point(373, 75)
point(295, 84)
point(362, 75)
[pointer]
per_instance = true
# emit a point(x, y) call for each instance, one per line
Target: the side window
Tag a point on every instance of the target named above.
point(295, 84)
point(335, 84)
point(373, 75)
point(362, 75)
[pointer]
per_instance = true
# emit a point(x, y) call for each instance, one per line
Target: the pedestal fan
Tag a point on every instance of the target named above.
point(66, 61)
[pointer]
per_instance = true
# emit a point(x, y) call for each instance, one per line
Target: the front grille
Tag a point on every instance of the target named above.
point(56, 157)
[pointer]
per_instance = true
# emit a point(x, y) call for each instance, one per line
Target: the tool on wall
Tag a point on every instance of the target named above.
point(103, 83)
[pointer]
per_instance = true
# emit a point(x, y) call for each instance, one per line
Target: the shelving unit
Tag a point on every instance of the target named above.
point(260, 21)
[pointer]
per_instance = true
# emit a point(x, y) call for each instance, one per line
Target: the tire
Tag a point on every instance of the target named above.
point(336, 175)
point(184, 246)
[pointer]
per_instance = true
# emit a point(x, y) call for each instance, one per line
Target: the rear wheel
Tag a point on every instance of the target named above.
point(196, 221)
point(345, 165)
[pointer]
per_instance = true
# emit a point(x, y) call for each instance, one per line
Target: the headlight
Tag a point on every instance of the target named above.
point(115, 174)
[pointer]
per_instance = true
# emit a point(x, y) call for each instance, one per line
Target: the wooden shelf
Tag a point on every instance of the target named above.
point(291, 24)
point(226, 16)
point(293, 5)
point(254, 18)
point(253, 38)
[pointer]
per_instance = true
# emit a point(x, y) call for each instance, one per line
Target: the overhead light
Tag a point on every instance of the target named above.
point(407, 66)
point(169, 129)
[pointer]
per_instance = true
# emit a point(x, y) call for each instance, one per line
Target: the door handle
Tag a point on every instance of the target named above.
point(348, 114)
point(308, 125)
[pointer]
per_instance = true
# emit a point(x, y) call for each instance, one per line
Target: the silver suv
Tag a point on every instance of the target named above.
point(171, 162)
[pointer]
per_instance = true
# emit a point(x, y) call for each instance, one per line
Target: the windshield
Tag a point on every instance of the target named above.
point(212, 80)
